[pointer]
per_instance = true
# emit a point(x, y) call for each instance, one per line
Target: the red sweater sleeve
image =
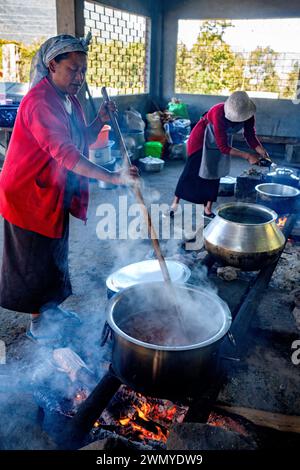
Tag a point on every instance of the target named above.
point(52, 132)
point(217, 119)
point(250, 134)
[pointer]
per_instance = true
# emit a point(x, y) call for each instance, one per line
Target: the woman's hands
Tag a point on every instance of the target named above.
point(103, 113)
point(261, 156)
point(262, 152)
point(126, 176)
point(252, 158)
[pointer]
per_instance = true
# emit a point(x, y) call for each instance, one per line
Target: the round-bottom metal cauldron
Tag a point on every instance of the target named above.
point(244, 235)
point(150, 352)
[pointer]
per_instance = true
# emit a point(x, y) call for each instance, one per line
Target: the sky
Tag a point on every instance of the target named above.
point(283, 35)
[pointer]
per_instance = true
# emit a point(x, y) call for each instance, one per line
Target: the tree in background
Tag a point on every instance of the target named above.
point(262, 70)
point(291, 82)
point(211, 66)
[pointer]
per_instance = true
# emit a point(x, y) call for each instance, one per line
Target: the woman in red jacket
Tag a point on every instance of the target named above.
point(44, 179)
point(209, 150)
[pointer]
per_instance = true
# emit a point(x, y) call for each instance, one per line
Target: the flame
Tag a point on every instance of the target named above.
point(136, 417)
point(281, 222)
point(124, 421)
point(80, 396)
point(143, 411)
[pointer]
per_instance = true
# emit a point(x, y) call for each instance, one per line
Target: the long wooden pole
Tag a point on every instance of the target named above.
point(151, 229)
point(138, 193)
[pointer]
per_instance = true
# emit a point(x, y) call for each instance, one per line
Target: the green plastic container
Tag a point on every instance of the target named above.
point(153, 149)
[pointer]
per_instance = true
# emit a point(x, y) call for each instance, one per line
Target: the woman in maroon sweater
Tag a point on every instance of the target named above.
point(44, 180)
point(209, 150)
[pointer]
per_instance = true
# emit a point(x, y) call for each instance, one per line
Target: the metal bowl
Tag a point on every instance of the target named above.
point(153, 165)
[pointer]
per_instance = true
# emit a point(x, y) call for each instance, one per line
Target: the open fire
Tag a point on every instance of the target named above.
point(281, 221)
point(139, 418)
point(228, 423)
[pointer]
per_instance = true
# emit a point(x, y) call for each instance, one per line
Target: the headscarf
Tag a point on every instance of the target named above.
point(51, 49)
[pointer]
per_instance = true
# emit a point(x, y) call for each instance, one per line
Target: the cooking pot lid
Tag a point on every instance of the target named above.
point(146, 271)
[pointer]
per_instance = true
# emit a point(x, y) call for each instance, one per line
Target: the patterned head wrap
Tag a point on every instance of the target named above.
point(51, 49)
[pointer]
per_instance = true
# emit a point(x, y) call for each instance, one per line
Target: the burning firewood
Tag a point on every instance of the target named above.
point(228, 273)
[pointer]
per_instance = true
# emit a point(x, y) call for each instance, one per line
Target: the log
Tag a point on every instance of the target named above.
point(278, 421)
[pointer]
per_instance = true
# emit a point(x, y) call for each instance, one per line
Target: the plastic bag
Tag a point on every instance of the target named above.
point(178, 108)
point(133, 120)
point(177, 131)
point(154, 122)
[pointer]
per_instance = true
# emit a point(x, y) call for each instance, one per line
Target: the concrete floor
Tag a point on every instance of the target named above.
point(91, 260)
point(265, 379)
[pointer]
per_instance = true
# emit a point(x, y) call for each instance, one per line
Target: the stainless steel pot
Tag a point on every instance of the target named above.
point(164, 370)
point(244, 235)
point(283, 199)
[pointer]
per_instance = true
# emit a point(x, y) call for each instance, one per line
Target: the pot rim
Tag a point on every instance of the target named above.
point(227, 318)
point(246, 204)
point(266, 193)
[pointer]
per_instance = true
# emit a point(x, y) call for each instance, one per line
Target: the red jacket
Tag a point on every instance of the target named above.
point(40, 153)
point(216, 117)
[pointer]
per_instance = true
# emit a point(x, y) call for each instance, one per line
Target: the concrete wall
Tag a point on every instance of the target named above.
point(152, 9)
point(27, 20)
point(274, 117)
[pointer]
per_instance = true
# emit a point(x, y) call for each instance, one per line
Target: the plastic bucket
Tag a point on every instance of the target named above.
point(102, 139)
point(101, 155)
point(153, 149)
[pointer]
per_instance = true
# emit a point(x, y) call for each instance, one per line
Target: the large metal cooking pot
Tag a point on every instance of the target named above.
point(283, 199)
point(162, 369)
point(244, 235)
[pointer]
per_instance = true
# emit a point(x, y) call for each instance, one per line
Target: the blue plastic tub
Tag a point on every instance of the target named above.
point(8, 113)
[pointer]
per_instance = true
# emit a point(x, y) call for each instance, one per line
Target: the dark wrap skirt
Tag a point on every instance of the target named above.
point(191, 187)
point(34, 269)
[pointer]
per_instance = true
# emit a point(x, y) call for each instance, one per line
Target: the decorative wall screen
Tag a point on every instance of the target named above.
point(120, 50)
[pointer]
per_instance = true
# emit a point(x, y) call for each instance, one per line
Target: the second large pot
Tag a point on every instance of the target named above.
point(149, 352)
point(244, 235)
point(280, 197)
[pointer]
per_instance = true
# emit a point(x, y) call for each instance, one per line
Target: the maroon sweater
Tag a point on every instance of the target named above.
point(40, 153)
point(216, 117)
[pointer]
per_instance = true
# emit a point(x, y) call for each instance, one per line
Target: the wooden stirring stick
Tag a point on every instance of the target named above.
point(140, 199)
point(137, 192)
